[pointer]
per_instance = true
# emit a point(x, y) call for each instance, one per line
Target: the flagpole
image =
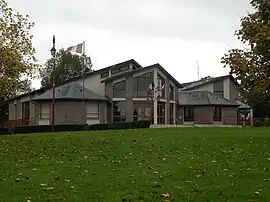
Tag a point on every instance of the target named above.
point(83, 69)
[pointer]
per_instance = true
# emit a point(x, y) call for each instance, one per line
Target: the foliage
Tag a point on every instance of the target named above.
point(251, 66)
point(266, 121)
point(182, 164)
point(16, 51)
point(67, 66)
point(120, 125)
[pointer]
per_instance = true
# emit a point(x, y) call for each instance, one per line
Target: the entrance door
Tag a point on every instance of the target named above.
point(161, 112)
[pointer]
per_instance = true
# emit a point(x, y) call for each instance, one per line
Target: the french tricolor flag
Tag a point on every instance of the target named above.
point(79, 48)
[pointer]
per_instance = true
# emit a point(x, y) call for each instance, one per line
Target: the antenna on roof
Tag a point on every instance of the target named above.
point(198, 69)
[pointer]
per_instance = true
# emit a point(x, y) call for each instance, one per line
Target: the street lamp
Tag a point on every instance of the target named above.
point(53, 53)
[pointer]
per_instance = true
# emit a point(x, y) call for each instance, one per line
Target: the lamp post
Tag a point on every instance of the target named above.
point(53, 53)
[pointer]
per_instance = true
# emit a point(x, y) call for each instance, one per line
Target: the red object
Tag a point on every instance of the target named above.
point(69, 48)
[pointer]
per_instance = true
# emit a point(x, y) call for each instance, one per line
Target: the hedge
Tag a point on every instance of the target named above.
point(120, 125)
point(48, 128)
point(4, 130)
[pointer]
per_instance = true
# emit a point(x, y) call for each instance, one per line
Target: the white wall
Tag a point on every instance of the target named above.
point(226, 88)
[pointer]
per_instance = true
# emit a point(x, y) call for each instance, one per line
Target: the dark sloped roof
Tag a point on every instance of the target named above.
point(195, 84)
point(79, 77)
point(142, 69)
point(203, 98)
point(70, 91)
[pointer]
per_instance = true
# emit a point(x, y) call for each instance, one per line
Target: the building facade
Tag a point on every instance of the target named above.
point(122, 92)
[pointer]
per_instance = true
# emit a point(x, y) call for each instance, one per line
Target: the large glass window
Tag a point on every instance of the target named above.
point(188, 114)
point(119, 113)
point(217, 113)
point(161, 86)
point(171, 92)
point(142, 110)
point(141, 84)
point(119, 89)
point(161, 112)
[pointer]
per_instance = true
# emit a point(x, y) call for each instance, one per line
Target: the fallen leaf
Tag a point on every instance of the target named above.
point(167, 195)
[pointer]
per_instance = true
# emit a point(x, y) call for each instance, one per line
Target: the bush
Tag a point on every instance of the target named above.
point(266, 122)
point(48, 128)
point(4, 130)
point(120, 125)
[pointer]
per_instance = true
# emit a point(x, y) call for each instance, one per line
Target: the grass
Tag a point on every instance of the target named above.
point(185, 164)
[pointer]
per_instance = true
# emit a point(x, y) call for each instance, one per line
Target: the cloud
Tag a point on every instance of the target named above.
point(204, 20)
point(174, 33)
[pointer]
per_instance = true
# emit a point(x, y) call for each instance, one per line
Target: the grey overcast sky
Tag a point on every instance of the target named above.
point(174, 33)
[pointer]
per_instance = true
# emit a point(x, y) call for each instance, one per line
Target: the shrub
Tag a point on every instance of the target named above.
point(4, 130)
point(266, 122)
point(120, 125)
point(48, 128)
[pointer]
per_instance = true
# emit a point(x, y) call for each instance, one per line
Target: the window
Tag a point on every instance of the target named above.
point(188, 114)
point(25, 110)
point(161, 87)
point(92, 111)
point(119, 113)
point(219, 93)
point(141, 84)
point(105, 74)
point(142, 111)
point(44, 111)
point(171, 92)
point(161, 112)
point(119, 89)
point(217, 113)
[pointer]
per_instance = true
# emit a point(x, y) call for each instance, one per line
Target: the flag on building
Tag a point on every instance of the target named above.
point(150, 88)
point(79, 48)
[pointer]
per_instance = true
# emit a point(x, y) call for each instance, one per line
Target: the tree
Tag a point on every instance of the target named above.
point(67, 66)
point(16, 51)
point(251, 66)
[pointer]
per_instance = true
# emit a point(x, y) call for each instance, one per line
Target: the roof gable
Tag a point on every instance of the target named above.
point(88, 74)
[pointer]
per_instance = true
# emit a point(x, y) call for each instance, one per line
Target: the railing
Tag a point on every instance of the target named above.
point(18, 122)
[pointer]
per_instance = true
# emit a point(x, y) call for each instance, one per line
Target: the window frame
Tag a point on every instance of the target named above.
point(92, 114)
point(217, 113)
point(44, 115)
point(190, 112)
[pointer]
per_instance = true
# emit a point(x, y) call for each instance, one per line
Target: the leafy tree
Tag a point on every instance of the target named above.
point(16, 51)
point(251, 66)
point(67, 66)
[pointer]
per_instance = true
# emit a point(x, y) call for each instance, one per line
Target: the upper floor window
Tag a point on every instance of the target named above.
point(119, 89)
point(119, 69)
point(171, 92)
point(105, 74)
point(141, 84)
point(219, 93)
point(161, 87)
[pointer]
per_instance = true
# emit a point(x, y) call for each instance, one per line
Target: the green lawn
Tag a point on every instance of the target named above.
point(190, 164)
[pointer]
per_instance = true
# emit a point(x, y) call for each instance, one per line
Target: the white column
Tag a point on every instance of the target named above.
point(155, 96)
